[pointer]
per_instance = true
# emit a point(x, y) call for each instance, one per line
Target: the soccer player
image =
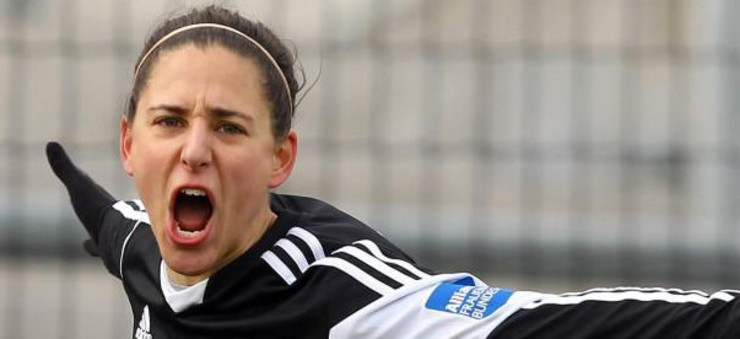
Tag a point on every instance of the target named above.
point(210, 252)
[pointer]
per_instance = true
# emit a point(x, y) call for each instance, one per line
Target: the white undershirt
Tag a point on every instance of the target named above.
point(180, 297)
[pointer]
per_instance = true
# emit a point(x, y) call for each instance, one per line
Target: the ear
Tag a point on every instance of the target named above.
point(284, 159)
point(124, 145)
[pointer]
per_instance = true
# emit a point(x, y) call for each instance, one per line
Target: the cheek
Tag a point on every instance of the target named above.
point(150, 165)
point(152, 158)
point(248, 174)
point(144, 161)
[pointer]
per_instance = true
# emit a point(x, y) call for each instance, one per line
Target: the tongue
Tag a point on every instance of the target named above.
point(192, 214)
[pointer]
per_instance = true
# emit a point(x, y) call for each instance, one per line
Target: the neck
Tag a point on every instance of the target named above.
point(256, 234)
point(185, 280)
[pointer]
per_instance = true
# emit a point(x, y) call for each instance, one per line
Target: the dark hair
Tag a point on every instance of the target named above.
point(282, 106)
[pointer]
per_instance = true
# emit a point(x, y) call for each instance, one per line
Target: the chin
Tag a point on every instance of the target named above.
point(189, 263)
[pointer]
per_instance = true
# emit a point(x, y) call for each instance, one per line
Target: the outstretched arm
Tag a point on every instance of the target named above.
point(89, 200)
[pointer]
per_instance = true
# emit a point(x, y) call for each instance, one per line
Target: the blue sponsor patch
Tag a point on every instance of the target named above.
point(462, 297)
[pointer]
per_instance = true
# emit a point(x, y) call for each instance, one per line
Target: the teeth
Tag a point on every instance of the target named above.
point(187, 234)
point(194, 192)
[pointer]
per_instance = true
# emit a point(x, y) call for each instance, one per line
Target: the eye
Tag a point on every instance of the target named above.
point(169, 122)
point(229, 128)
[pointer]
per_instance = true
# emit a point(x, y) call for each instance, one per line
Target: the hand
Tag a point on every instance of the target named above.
point(91, 247)
point(89, 200)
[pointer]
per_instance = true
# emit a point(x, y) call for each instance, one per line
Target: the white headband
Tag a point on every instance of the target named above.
point(212, 25)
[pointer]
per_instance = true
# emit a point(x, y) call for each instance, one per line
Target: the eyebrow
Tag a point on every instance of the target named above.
point(218, 112)
point(226, 113)
point(170, 108)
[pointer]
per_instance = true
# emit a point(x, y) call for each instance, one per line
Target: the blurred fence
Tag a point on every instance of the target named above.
point(548, 144)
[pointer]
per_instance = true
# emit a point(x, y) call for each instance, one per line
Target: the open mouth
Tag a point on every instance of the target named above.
point(192, 210)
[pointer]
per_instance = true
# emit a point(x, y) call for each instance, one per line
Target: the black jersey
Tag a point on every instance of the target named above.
point(320, 273)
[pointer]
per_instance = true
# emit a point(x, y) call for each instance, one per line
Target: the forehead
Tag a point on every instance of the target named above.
point(213, 73)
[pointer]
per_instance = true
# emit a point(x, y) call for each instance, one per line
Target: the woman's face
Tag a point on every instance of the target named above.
point(203, 156)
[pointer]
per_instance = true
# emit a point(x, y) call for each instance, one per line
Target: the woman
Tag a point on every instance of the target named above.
point(209, 252)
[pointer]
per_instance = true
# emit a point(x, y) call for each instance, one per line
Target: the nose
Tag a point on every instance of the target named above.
point(196, 152)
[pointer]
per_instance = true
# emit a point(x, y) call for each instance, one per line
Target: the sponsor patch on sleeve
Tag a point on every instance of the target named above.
point(462, 298)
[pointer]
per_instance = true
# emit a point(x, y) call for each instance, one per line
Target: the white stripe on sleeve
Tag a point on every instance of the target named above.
point(310, 240)
point(376, 264)
point(629, 295)
point(294, 252)
point(279, 267)
point(639, 289)
point(128, 212)
point(375, 250)
point(356, 273)
point(123, 248)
